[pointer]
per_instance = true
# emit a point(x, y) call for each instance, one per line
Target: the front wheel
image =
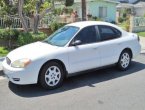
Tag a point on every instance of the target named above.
point(124, 60)
point(51, 75)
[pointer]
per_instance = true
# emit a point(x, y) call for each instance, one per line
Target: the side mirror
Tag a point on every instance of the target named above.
point(75, 43)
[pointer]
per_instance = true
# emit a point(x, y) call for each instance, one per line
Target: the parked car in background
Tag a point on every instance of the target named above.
point(72, 49)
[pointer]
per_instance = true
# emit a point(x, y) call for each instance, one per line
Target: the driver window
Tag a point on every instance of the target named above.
point(87, 35)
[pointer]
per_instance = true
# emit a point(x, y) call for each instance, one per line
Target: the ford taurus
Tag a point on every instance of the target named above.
point(72, 49)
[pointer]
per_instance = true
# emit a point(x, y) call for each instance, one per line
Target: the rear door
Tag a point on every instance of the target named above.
point(109, 46)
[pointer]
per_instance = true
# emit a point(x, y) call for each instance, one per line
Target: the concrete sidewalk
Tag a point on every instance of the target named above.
point(142, 42)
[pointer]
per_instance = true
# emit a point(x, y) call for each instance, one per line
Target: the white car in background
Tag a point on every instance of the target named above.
point(72, 49)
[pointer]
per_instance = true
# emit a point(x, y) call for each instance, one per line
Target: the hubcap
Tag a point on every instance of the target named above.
point(125, 60)
point(52, 76)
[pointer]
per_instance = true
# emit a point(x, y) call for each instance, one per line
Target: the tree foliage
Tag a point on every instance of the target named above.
point(69, 2)
point(7, 8)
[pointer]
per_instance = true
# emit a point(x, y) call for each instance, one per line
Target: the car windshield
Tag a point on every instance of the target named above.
point(62, 36)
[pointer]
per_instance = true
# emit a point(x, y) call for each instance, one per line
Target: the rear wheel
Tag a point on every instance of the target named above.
point(51, 76)
point(124, 60)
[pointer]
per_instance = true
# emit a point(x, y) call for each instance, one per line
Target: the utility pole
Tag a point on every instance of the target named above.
point(84, 10)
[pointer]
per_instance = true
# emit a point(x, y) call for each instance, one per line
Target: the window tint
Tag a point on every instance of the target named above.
point(87, 35)
point(107, 33)
point(62, 36)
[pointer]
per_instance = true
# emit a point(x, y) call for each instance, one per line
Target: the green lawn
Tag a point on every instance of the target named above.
point(141, 34)
point(3, 51)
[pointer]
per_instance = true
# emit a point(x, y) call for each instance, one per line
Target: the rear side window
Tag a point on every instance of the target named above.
point(108, 32)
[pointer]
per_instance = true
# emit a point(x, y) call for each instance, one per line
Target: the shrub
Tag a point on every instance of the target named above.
point(39, 36)
point(69, 2)
point(57, 11)
point(120, 19)
point(94, 17)
point(127, 24)
point(55, 26)
point(124, 15)
point(7, 34)
point(26, 38)
point(3, 51)
point(113, 22)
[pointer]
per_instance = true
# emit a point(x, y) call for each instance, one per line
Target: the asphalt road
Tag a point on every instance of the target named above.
point(106, 89)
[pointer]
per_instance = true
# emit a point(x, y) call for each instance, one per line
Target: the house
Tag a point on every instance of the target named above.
point(127, 1)
point(104, 9)
point(137, 8)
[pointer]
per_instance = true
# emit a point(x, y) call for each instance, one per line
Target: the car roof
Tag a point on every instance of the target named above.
point(83, 24)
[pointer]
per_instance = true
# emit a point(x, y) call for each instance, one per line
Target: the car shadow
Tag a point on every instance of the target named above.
point(88, 79)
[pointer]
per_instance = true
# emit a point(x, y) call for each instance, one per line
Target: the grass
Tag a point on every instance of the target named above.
point(122, 25)
point(141, 34)
point(3, 51)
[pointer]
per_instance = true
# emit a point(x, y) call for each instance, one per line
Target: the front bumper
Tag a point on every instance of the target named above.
point(20, 76)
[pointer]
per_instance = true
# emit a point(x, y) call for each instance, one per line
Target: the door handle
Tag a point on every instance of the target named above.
point(119, 43)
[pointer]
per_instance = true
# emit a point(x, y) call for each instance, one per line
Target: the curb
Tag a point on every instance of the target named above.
point(1, 71)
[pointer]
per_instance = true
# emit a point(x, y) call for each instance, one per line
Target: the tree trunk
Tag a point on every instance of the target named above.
point(23, 20)
point(38, 17)
point(36, 23)
point(84, 10)
point(53, 4)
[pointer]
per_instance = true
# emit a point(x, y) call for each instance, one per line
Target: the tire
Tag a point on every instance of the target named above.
point(51, 76)
point(124, 60)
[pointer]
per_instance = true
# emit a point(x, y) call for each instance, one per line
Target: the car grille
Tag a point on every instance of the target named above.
point(8, 61)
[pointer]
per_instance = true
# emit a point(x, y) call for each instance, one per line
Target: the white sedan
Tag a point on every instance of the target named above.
point(72, 49)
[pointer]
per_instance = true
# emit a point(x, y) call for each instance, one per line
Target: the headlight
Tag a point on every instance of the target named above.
point(21, 63)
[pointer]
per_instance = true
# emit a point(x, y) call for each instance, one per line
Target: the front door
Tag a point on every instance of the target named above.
point(85, 55)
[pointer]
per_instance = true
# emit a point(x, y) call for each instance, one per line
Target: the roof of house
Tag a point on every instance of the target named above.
point(139, 3)
point(111, 1)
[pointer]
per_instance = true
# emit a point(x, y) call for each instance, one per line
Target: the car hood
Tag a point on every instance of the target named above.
point(32, 51)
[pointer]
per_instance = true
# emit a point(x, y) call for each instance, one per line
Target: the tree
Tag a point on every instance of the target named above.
point(7, 8)
point(69, 2)
point(38, 11)
point(84, 10)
